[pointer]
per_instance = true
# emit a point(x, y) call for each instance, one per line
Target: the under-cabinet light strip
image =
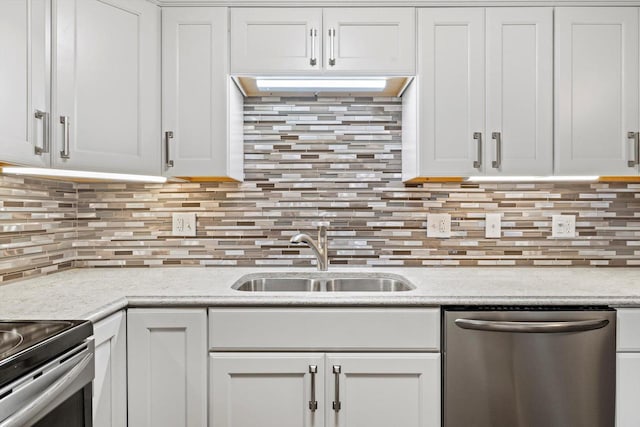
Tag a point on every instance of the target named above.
point(62, 173)
point(326, 84)
point(559, 178)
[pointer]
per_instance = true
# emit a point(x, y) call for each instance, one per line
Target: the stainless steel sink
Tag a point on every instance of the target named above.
point(367, 285)
point(322, 284)
point(279, 285)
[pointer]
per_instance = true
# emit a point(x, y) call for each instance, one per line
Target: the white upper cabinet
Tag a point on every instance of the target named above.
point(282, 40)
point(482, 102)
point(24, 81)
point(370, 40)
point(202, 117)
point(596, 90)
point(519, 104)
point(308, 40)
point(449, 98)
point(106, 86)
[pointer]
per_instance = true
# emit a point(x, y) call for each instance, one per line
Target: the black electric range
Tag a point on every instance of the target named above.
point(26, 345)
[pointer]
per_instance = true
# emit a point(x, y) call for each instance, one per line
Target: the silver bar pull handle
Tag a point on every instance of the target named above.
point(314, 60)
point(46, 133)
point(332, 42)
point(168, 136)
point(313, 403)
point(30, 410)
point(531, 327)
point(498, 161)
point(635, 136)
point(336, 403)
point(478, 162)
point(64, 153)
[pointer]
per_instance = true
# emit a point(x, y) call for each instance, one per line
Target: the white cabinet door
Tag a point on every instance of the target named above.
point(519, 64)
point(628, 329)
point(284, 40)
point(110, 382)
point(370, 40)
point(628, 390)
point(201, 106)
point(167, 360)
point(450, 91)
point(107, 70)
point(596, 59)
point(382, 390)
point(266, 390)
point(24, 80)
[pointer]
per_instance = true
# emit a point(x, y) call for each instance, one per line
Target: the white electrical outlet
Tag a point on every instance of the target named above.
point(184, 224)
point(563, 226)
point(493, 226)
point(438, 225)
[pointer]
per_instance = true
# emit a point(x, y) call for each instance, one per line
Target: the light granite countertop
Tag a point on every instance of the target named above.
point(95, 293)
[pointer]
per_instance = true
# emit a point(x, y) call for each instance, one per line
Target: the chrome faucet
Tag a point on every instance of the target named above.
point(320, 249)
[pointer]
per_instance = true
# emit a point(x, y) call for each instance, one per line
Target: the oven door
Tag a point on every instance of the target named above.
point(54, 395)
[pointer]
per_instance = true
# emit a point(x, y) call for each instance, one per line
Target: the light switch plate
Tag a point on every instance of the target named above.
point(563, 226)
point(184, 224)
point(493, 226)
point(438, 225)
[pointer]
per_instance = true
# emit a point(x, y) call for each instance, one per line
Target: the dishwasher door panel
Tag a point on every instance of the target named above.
point(530, 379)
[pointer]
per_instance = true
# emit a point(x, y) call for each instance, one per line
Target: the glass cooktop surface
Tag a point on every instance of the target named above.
point(17, 336)
point(25, 345)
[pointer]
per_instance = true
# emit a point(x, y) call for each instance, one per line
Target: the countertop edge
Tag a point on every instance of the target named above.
point(350, 301)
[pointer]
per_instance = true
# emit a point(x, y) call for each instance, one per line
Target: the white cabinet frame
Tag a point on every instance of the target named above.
point(110, 382)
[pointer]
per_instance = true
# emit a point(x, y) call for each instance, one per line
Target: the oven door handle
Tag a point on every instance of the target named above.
point(32, 409)
point(531, 327)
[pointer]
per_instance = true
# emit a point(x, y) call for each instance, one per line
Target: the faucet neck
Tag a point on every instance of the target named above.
point(320, 249)
point(323, 249)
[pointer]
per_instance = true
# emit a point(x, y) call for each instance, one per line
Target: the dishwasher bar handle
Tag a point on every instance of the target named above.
point(531, 327)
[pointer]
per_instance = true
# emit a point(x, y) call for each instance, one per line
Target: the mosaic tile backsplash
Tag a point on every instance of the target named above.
point(37, 227)
point(307, 161)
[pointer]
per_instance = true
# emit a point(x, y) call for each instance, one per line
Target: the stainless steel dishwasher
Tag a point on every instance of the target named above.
point(529, 367)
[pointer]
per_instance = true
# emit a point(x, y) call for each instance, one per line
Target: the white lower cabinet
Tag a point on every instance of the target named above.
point(628, 390)
point(266, 389)
point(381, 390)
point(324, 367)
point(316, 389)
point(167, 361)
point(110, 382)
point(628, 367)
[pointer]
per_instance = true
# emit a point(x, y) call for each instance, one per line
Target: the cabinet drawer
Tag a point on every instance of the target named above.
point(310, 329)
point(628, 329)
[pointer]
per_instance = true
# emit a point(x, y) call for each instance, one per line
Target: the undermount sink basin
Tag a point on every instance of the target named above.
point(322, 284)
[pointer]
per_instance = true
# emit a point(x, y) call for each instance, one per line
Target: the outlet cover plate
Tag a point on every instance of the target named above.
point(184, 224)
point(438, 225)
point(493, 226)
point(563, 226)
